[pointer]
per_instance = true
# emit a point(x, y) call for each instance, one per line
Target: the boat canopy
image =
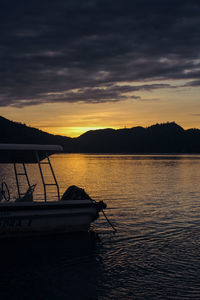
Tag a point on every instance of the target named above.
point(26, 153)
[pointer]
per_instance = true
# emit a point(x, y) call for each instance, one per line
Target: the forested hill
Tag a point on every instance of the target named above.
point(18, 133)
point(159, 138)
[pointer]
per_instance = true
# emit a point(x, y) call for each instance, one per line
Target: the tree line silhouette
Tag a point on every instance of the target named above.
point(159, 138)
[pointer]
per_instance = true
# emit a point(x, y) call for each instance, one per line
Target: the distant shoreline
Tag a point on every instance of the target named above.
point(159, 139)
point(141, 154)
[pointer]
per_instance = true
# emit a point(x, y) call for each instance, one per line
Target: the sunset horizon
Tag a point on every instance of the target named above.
point(77, 131)
point(74, 132)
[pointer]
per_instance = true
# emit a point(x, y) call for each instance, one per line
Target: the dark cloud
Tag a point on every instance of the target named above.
point(82, 50)
point(107, 93)
point(193, 83)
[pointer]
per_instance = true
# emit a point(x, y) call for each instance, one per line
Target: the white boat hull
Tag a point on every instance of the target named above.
point(43, 218)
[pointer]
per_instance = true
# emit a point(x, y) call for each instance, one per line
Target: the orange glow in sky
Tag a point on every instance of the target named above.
point(70, 131)
point(180, 105)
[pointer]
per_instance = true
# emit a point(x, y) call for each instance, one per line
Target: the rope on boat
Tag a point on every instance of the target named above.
point(115, 230)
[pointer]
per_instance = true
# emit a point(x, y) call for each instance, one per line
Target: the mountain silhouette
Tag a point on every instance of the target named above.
point(18, 133)
point(158, 138)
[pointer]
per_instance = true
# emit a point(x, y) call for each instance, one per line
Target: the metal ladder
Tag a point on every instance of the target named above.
point(21, 173)
point(45, 185)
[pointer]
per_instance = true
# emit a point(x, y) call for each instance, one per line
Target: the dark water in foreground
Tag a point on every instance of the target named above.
point(154, 255)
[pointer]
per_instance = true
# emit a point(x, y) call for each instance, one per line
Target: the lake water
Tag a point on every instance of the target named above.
point(153, 201)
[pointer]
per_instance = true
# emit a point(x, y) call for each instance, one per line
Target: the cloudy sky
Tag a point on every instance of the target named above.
point(72, 65)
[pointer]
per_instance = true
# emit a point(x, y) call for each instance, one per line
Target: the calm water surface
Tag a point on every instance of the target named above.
point(155, 253)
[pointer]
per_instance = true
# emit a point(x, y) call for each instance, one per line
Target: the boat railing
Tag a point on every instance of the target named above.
point(19, 173)
point(22, 154)
point(47, 162)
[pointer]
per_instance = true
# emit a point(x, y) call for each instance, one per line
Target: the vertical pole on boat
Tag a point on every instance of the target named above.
point(42, 177)
point(18, 173)
point(25, 173)
point(54, 177)
point(17, 181)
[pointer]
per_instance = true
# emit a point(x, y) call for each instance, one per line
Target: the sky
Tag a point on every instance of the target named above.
point(69, 66)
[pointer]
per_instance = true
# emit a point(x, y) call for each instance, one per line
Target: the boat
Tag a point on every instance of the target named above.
point(74, 211)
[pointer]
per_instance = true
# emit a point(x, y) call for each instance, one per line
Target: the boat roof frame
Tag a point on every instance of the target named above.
point(30, 153)
point(26, 153)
